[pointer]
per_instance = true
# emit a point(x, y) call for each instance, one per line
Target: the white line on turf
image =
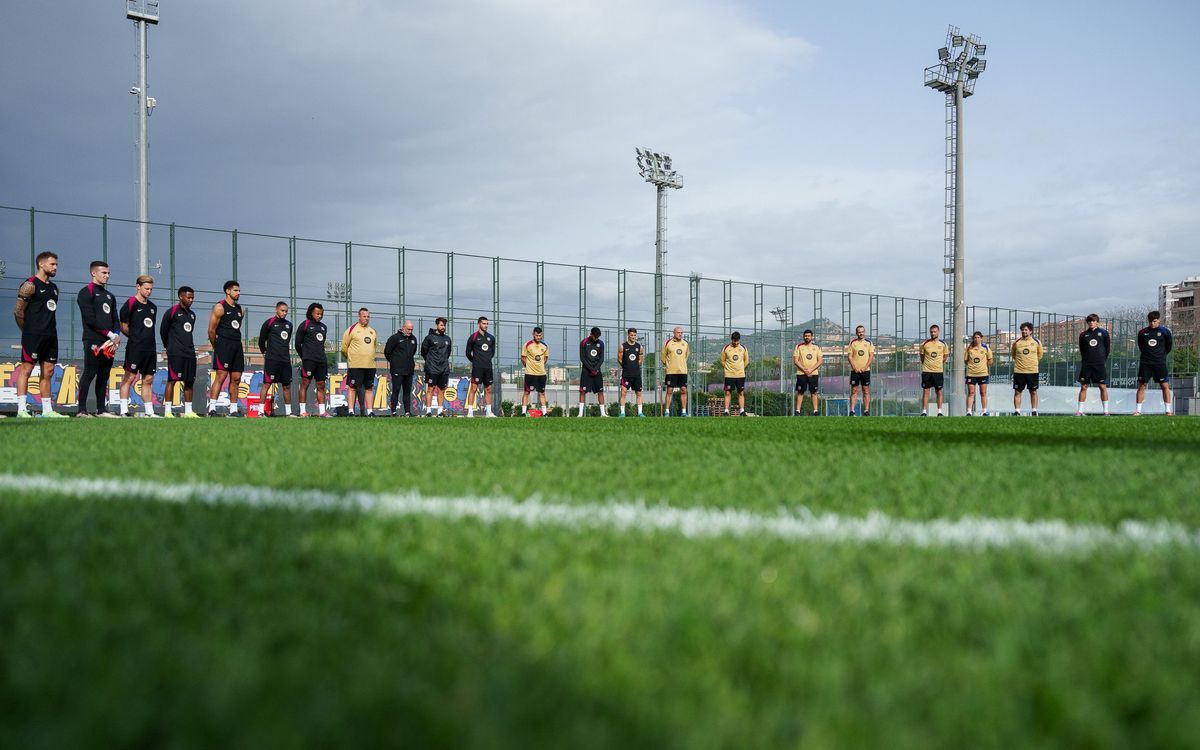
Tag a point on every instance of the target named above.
point(1053, 536)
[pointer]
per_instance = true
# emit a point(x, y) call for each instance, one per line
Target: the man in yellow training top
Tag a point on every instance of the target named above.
point(675, 359)
point(534, 356)
point(1026, 355)
point(807, 357)
point(934, 354)
point(979, 359)
point(860, 353)
point(734, 358)
point(358, 347)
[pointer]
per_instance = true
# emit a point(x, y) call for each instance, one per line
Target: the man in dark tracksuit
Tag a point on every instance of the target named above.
point(591, 380)
point(436, 351)
point(1154, 344)
point(101, 335)
point(399, 351)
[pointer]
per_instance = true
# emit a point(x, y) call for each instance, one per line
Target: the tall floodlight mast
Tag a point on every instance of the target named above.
point(142, 13)
point(655, 168)
point(959, 64)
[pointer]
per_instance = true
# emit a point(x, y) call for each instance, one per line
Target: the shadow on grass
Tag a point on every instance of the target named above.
point(229, 628)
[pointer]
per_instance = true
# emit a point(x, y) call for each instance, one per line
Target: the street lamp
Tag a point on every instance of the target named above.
point(338, 292)
point(655, 168)
point(142, 12)
point(781, 314)
point(960, 63)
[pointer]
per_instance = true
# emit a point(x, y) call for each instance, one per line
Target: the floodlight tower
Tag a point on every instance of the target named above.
point(655, 168)
point(781, 314)
point(142, 13)
point(959, 64)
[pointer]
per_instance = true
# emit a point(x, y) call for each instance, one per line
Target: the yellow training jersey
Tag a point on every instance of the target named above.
point(534, 355)
point(860, 353)
point(675, 356)
point(933, 355)
point(1027, 351)
point(810, 355)
point(734, 359)
point(978, 361)
point(358, 345)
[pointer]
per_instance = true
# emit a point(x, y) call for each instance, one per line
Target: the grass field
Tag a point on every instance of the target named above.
point(301, 620)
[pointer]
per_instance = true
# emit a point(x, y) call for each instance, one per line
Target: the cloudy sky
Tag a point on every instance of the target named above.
point(810, 151)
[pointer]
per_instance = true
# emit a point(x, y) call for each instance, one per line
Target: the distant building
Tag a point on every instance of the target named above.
point(1177, 303)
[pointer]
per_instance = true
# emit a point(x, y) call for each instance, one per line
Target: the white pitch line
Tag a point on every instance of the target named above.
point(972, 533)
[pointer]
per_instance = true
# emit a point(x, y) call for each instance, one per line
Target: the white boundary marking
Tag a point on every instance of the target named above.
point(974, 533)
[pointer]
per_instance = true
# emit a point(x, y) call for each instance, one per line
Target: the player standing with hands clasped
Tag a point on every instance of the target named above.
point(591, 359)
point(675, 359)
point(978, 358)
point(860, 353)
point(138, 317)
point(1094, 347)
point(733, 361)
point(1154, 343)
point(481, 347)
point(1027, 354)
point(934, 353)
point(275, 342)
point(225, 335)
point(435, 349)
point(807, 358)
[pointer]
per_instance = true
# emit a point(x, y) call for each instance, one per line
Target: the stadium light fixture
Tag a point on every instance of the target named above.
point(955, 77)
point(657, 169)
point(781, 314)
point(943, 54)
point(142, 13)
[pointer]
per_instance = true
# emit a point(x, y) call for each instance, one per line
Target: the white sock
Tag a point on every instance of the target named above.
point(639, 408)
point(603, 411)
point(124, 406)
point(187, 408)
point(1137, 409)
point(524, 408)
point(488, 410)
point(1105, 406)
point(1167, 407)
point(470, 411)
point(233, 407)
point(149, 407)
point(581, 410)
point(287, 410)
point(166, 408)
point(304, 409)
point(939, 412)
point(212, 406)
point(47, 405)
point(321, 409)
point(923, 411)
point(22, 406)
point(370, 412)
point(684, 412)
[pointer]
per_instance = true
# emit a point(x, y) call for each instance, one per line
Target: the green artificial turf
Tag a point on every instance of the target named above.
point(128, 623)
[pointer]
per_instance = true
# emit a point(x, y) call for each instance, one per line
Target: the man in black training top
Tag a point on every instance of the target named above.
point(310, 346)
point(138, 316)
point(630, 354)
point(176, 334)
point(225, 335)
point(1154, 343)
point(591, 359)
point(400, 351)
point(436, 351)
point(101, 335)
point(481, 347)
point(275, 342)
point(1094, 346)
point(34, 311)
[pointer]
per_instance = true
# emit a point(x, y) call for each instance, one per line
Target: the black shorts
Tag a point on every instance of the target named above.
point(482, 376)
point(935, 380)
point(632, 381)
point(142, 363)
point(977, 380)
point(1091, 374)
point(589, 383)
point(808, 383)
point(437, 381)
point(360, 377)
point(228, 356)
point(735, 384)
point(1023, 380)
point(535, 383)
point(275, 371)
point(1152, 371)
point(181, 370)
point(860, 378)
point(677, 381)
point(39, 349)
point(314, 369)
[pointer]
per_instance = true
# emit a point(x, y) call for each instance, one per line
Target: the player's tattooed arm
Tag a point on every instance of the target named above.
point(213, 320)
point(24, 294)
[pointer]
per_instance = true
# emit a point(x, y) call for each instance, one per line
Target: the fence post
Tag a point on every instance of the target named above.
point(32, 241)
point(104, 238)
point(234, 254)
point(292, 272)
point(171, 245)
